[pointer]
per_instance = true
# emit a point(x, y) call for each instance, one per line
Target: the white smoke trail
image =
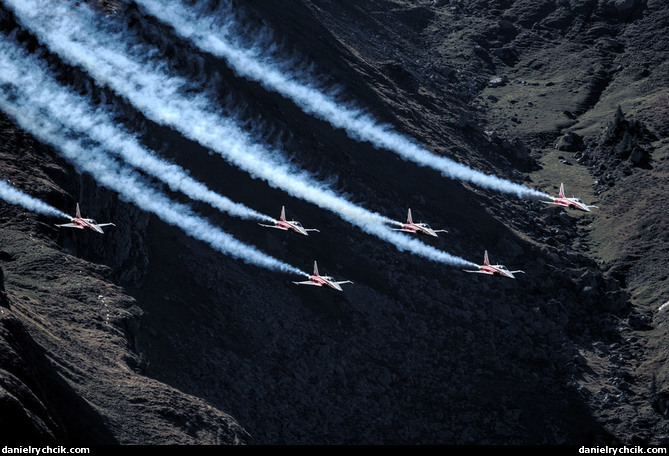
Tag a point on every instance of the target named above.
point(97, 124)
point(210, 35)
point(166, 99)
point(15, 196)
point(170, 100)
point(96, 162)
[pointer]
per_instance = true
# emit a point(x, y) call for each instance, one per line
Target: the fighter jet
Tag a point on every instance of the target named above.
point(572, 203)
point(82, 223)
point(288, 225)
point(494, 269)
point(420, 228)
point(322, 281)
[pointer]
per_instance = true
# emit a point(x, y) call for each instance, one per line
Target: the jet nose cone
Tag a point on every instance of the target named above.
point(300, 230)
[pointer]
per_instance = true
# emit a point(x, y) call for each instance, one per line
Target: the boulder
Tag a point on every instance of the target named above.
point(498, 81)
point(570, 142)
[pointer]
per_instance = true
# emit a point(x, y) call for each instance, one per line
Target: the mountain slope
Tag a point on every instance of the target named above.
point(162, 340)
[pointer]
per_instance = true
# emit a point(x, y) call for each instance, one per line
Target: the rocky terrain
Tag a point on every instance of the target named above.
point(146, 336)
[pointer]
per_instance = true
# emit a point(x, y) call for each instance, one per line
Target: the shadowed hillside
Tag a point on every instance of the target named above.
point(146, 335)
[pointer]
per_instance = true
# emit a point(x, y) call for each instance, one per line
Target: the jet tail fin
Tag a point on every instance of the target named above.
point(283, 214)
point(315, 268)
point(561, 195)
point(78, 214)
point(485, 258)
point(409, 218)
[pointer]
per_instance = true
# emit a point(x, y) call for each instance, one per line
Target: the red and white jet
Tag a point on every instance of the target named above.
point(420, 228)
point(81, 223)
point(494, 269)
point(572, 203)
point(322, 281)
point(289, 225)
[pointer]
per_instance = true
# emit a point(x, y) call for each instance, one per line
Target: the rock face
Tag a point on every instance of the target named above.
point(68, 371)
point(628, 6)
point(3, 296)
point(147, 336)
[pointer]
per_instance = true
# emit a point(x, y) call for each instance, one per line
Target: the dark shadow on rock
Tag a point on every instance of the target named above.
point(37, 407)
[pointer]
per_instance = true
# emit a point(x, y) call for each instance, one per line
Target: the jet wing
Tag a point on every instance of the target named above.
point(271, 226)
point(308, 282)
point(477, 272)
point(71, 225)
point(552, 202)
point(105, 224)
